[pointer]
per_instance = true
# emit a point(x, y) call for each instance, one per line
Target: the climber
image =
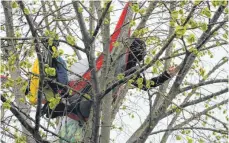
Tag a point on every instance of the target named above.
point(81, 108)
point(50, 88)
point(135, 55)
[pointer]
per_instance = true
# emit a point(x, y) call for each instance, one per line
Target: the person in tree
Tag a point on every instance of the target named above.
point(78, 110)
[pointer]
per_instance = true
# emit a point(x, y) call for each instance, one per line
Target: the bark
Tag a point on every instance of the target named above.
point(163, 87)
point(41, 64)
point(16, 73)
point(82, 25)
point(106, 102)
point(118, 101)
point(88, 132)
point(146, 16)
point(88, 43)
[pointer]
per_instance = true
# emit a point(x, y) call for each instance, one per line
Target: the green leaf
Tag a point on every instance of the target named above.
point(172, 23)
point(196, 2)
point(140, 83)
point(22, 100)
point(153, 52)
point(130, 82)
point(223, 2)
point(50, 71)
point(106, 21)
point(142, 11)
point(202, 72)
point(158, 63)
point(53, 48)
point(14, 4)
point(193, 50)
point(154, 70)
point(226, 10)
point(87, 96)
point(20, 139)
point(6, 105)
point(80, 9)
point(70, 92)
point(178, 110)
point(183, 2)
point(132, 23)
point(225, 36)
point(55, 53)
point(190, 140)
point(148, 83)
point(2, 28)
point(120, 76)
point(218, 137)
point(178, 137)
point(135, 8)
point(205, 11)
point(180, 30)
point(70, 40)
point(183, 19)
point(181, 11)
point(215, 3)
point(193, 23)
point(53, 101)
point(116, 44)
point(46, 32)
point(18, 34)
point(203, 26)
point(174, 14)
point(61, 52)
point(50, 41)
point(148, 59)
point(152, 83)
point(191, 38)
point(188, 132)
point(26, 11)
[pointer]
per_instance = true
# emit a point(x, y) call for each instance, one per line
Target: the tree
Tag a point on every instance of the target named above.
point(185, 32)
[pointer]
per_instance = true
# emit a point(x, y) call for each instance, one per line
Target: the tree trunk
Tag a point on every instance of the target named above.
point(14, 74)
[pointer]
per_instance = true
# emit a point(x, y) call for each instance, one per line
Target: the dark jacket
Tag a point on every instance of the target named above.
point(132, 62)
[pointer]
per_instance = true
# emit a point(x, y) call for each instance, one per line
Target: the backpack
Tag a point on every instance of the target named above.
point(61, 77)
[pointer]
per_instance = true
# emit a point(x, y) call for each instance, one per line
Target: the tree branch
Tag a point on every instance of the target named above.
point(100, 21)
point(196, 101)
point(191, 128)
point(41, 67)
point(83, 29)
point(23, 121)
point(203, 84)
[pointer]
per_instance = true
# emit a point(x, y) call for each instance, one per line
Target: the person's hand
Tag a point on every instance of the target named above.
point(173, 70)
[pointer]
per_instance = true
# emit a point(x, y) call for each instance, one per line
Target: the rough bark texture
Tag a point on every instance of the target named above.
point(106, 102)
point(16, 73)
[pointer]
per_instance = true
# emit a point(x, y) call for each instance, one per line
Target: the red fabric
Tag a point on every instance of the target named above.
point(75, 117)
point(3, 77)
point(79, 85)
